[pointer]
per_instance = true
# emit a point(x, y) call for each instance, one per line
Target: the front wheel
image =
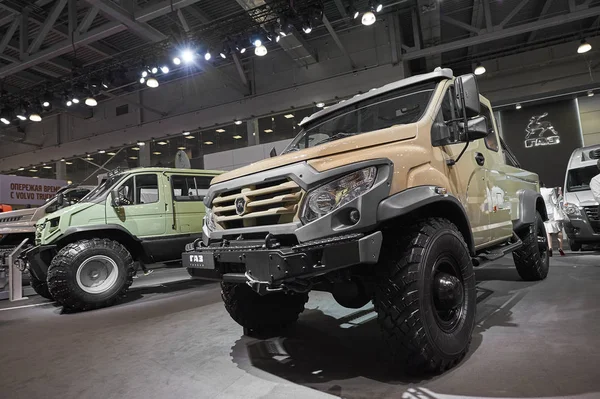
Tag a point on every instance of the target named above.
point(262, 314)
point(425, 296)
point(533, 258)
point(90, 274)
point(574, 245)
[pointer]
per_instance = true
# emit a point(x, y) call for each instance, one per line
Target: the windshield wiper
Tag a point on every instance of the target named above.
point(336, 136)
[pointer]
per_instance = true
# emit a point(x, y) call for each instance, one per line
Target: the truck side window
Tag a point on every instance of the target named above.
point(491, 140)
point(190, 188)
point(140, 189)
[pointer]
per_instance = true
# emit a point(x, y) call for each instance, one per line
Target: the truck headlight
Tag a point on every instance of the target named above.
point(572, 210)
point(209, 220)
point(327, 198)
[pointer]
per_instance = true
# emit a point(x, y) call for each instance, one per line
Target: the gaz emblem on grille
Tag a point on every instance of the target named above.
point(240, 205)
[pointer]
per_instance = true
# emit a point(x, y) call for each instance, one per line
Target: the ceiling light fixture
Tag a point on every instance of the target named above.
point(21, 169)
point(35, 117)
point(288, 116)
point(186, 133)
point(142, 80)
point(187, 56)
point(181, 148)
point(135, 148)
point(5, 121)
point(164, 69)
point(257, 43)
point(190, 137)
point(152, 83)
point(207, 56)
point(144, 74)
point(91, 101)
point(237, 137)
point(141, 143)
point(584, 47)
point(208, 142)
point(480, 69)
point(162, 143)
point(33, 170)
point(101, 152)
point(75, 100)
point(368, 18)
point(154, 70)
point(220, 130)
point(379, 7)
point(268, 130)
point(47, 167)
point(69, 103)
point(176, 60)
point(518, 106)
point(320, 105)
point(69, 163)
point(260, 51)
point(590, 93)
point(134, 158)
point(157, 153)
point(112, 154)
point(46, 104)
point(238, 122)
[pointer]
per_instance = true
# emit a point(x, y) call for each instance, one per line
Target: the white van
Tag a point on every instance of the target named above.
point(580, 205)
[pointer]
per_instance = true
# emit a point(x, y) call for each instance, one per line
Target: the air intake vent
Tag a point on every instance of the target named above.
point(595, 154)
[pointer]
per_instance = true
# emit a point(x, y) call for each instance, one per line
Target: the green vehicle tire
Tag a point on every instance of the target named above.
point(90, 274)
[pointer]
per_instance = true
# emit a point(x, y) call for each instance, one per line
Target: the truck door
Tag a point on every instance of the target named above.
point(188, 194)
point(501, 194)
point(468, 177)
point(144, 208)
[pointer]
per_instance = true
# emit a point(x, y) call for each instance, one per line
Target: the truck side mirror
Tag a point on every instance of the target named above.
point(467, 96)
point(60, 200)
point(273, 152)
point(441, 135)
point(477, 128)
point(115, 201)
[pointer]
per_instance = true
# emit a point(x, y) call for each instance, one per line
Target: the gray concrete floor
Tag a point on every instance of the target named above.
point(174, 339)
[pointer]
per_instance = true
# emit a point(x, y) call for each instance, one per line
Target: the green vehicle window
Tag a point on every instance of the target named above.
point(140, 189)
point(190, 188)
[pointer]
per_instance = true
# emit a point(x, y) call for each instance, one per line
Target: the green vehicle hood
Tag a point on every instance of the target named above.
point(69, 211)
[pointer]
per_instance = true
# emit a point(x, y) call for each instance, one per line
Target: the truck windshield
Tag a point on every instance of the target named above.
point(101, 188)
point(579, 179)
point(398, 107)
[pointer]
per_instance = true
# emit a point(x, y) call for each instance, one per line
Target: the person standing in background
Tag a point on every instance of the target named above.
point(553, 226)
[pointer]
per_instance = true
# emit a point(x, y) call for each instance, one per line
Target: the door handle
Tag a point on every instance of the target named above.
point(479, 158)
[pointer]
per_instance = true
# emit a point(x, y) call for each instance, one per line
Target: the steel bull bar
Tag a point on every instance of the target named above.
point(270, 267)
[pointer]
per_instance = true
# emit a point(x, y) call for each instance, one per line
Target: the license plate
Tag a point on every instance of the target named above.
point(204, 260)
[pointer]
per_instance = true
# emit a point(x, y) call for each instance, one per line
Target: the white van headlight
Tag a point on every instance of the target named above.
point(572, 210)
point(328, 197)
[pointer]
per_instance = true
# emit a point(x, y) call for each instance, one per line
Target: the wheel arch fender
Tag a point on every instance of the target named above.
point(425, 201)
point(530, 202)
point(111, 231)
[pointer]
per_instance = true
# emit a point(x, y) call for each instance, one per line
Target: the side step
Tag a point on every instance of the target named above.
point(498, 252)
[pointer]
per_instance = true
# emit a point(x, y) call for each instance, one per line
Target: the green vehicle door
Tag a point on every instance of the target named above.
point(188, 192)
point(144, 204)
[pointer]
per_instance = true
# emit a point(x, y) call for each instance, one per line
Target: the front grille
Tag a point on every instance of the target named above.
point(11, 219)
point(265, 204)
point(592, 214)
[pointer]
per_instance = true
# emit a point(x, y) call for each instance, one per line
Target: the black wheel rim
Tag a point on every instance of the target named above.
point(448, 292)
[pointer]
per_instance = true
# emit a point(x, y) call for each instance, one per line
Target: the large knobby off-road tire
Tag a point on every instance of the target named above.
point(574, 245)
point(532, 259)
point(262, 314)
point(90, 274)
point(39, 286)
point(425, 295)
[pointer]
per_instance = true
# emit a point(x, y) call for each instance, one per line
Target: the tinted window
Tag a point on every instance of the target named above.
point(73, 197)
point(396, 108)
point(190, 188)
point(491, 140)
point(579, 179)
point(140, 189)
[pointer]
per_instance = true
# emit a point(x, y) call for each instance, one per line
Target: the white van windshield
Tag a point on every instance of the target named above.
point(579, 179)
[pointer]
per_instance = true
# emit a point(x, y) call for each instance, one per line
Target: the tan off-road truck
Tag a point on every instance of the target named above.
point(392, 197)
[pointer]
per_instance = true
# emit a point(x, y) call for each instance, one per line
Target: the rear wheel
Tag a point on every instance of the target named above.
point(425, 296)
point(39, 286)
point(533, 258)
point(574, 245)
point(262, 314)
point(90, 274)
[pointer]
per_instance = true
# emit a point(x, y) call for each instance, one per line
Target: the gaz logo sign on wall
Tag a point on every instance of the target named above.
point(18, 190)
point(540, 132)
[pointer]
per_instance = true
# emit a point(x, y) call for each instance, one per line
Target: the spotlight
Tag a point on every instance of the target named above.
point(368, 18)
point(5, 121)
point(75, 100)
point(45, 104)
point(320, 105)
point(141, 143)
point(277, 38)
point(187, 56)
point(282, 33)
point(260, 51)
point(152, 82)
point(186, 133)
point(242, 50)
point(307, 28)
point(35, 117)
point(379, 7)
point(207, 56)
point(480, 69)
point(238, 122)
point(154, 70)
point(164, 69)
point(105, 83)
point(176, 60)
point(518, 106)
point(91, 101)
point(48, 97)
point(69, 103)
point(584, 47)
point(142, 80)
point(590, 93)
point(222, 54)
point(257, 43)
point(102, 152)
point(144, 74)
point(356, 14)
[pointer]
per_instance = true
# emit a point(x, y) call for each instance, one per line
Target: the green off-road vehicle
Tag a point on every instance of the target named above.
point(86, 253)
point(392, 197)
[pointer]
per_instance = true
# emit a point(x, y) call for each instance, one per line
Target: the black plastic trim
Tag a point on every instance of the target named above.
point(528, 200)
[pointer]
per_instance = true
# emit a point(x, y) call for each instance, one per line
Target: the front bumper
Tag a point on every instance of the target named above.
point(582, 231)
point(265, 266)
point(38, 259)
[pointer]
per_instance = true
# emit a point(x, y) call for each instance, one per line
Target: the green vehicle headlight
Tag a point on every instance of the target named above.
point(209, 220)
